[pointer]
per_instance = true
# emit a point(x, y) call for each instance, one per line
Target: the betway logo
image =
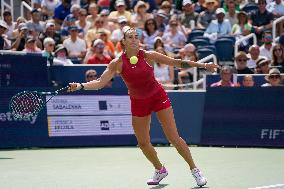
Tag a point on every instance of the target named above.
point(8, 116)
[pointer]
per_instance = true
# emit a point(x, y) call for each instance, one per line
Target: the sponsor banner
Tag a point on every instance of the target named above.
point(89, 125)
point(88, 105)
point(242, 116)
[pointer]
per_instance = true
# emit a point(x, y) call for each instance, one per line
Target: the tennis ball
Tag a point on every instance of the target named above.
point(133, 59)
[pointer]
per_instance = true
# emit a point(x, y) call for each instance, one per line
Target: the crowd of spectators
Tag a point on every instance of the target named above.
point(90, 31)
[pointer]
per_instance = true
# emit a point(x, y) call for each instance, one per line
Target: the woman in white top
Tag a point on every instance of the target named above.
point(150, 33)
point(164, 73)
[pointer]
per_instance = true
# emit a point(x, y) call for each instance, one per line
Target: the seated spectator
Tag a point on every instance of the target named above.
point(82, 22)
point(266, 48)
point(241, 63)
point(36, 23)
point(231, 13)
point(188, 53)
point(91, 75)
point(20, 41)
point(75, 10)
point(117, 34)
point(199, 6)
point(150, 33)
point(103, 34)
point(7, 17)
point(188, 18)
point(248, 81)
point(261, 19)
point(48, 8)
point(61, 11)
point(92, 33)
point(69, 21)
point(5, 43)
point(158, 42)
point(75, 46)
point(218, 28)
point(226, 75)
point(161, 19)
point(30, 46)
point(140, 15)
point(50, 32)
point(253, 56)
point(262, 66)
point(278, 57)
point(174, 38)
point(274, 78)
point(93, 13)
point(242, 28)
point(110, 26)
point(120, 11)
point(164, 73)
point(16, 32)
point(61, 55)
point(99, 56)
point(47, 52)
point(205, 17)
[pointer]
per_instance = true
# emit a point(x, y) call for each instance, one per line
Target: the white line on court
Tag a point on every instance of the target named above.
point(276, 186)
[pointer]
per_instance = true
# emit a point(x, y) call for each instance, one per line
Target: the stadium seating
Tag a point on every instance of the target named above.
point(224, 49)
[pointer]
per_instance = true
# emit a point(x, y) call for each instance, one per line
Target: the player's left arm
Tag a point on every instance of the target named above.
point(163, 59)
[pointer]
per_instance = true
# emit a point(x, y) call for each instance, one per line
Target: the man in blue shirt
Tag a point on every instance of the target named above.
point(218, 28)
point(61, 11)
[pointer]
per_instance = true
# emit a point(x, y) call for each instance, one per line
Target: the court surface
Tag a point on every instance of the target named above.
point(126, 168)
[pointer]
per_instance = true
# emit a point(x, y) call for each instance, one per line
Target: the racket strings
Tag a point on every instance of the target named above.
point(26, 104)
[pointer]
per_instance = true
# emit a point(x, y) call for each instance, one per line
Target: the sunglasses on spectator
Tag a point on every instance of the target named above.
point(83, 14)
point(277, 49)
point(274, 77)
point(100, 46)
point(99, 22)
point(150, 23)
point(50, 45)
point(173, 24)
point(242, 60)
point(93, 75)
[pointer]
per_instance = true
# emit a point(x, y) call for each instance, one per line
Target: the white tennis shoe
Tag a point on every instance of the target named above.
point(158, 176)
point(200, 179)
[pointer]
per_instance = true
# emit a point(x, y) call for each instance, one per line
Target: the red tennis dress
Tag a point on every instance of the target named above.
point(146, 93)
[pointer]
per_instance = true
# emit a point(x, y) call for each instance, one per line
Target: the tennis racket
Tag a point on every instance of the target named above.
point(29, 103)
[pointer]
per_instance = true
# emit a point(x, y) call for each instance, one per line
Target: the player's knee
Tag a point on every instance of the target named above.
point(175, 141)
point(144, 144)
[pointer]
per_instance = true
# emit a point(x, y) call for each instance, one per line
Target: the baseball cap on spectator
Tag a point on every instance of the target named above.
point(48, 24)
point(35, 11)
point(242, 13)
point(98, 42)
point(162, 13)
point(7, 12)
point(158, 38)
point(185, 2)
point(262, 61)
point(273, 72)
point(189, 47)
point(121, 19)
point(241, 54)
point(3, 24)
point(22, 26)
point(30, 39)
point(73, 28)
point(119, 3)
point(104, 12)
point(70, 18)
point(220, 11)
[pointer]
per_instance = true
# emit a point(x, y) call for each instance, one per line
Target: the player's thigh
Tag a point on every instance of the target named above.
point(167, 120)
point(141, 127)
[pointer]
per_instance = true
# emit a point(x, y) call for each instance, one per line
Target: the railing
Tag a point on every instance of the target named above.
point(25, 5)
point(195, 82)
point(5, 5)
point(274, 27)
point(238, 42)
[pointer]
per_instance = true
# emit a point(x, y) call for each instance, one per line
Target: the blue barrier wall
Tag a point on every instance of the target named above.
point(244, 116)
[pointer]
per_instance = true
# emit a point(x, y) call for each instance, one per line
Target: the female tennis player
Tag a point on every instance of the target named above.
point(147, 95)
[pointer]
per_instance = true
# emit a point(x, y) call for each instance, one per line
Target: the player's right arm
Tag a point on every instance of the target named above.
point(107, 75)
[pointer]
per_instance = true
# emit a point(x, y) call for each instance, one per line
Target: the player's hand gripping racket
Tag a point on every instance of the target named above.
point(30, 103)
